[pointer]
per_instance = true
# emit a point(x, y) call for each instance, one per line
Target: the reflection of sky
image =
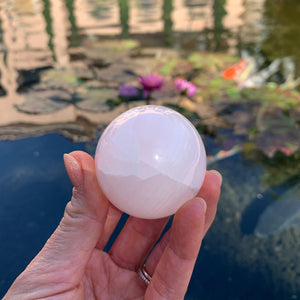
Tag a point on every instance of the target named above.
point(34, 190)
point(102, 8)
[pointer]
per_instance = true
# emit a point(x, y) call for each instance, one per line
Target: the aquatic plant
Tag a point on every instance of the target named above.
point(128, 91)
point(150, 83)
point(185, 87)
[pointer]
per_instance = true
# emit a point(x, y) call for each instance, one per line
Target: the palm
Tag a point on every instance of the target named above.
point(103, 278)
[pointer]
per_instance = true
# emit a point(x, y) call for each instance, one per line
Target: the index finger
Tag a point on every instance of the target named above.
point(210, 192)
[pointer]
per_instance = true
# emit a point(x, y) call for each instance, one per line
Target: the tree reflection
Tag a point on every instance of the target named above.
point(48, 21)
point(74, 38)
point(124, 17)
point(281, 20)
point(219, 12)
point(168, 23)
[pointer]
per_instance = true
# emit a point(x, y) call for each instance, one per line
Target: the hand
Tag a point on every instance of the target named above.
point(73, 265)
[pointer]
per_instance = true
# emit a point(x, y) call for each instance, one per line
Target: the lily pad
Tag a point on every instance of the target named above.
point(216, 89)
point(43, 102)
point(273, 96)
point(83, 73)
point(60, 79)
point(277, 132)
point(104, 53)
point(173, 66)
point(211, 62)
point(295, 114)
point(242, 116)
point(283, 213)
point(95, 99)
point(117, 74)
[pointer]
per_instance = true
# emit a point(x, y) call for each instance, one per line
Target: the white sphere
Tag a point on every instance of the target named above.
point(149, 161)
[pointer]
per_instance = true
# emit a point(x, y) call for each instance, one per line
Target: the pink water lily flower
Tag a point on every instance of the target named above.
point(151, 82)
point(185, 87)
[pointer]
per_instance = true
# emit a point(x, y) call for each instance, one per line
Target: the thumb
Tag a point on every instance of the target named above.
point(71, 245)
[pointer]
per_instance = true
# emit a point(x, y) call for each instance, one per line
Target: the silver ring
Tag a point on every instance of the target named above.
point(144, 274)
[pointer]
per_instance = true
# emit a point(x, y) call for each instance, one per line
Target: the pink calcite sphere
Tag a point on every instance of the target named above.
point(149, 161)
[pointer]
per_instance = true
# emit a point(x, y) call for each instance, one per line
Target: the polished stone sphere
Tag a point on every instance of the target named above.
point(149, 161)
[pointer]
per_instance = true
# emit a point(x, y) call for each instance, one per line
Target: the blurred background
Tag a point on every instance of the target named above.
point(63, 64)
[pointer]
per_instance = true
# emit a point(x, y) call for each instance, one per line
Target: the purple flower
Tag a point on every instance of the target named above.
point(128, 91)
point(151, 82)
point(185, 87)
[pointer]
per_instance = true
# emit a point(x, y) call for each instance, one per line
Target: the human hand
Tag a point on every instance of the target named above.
point(73, 265)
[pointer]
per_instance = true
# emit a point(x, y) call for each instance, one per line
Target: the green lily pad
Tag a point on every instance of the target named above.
point(95, 99)
point(215, 88)
point(103, 53)
point(60, 79)
point(212, 62)
point(83, 73)
point(273, 96)
point(44, 101)
point(174, 66)
point(117, 74)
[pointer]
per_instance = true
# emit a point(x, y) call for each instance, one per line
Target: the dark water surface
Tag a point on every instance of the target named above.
point(34, 191)
point(234, 263)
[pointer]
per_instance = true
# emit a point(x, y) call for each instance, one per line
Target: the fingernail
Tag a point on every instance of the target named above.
point(218, 175)
point(73, 169)
point(203, 203)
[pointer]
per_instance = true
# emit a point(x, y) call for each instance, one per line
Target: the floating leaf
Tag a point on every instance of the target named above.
point(273, 96)
point(95, 99)
point(103, 53)
point(118, 73)
point(216, 88)
point(211, 62)
point(172, 66)
point(277, 132)
point(295, 114)
point(168, 67)
point(242, 116)
point(44, 101)
point(60, 79)
point(83, 73)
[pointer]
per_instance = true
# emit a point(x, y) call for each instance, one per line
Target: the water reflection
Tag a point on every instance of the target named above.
point(281, 30)
point(43, 33)
point(36, 34)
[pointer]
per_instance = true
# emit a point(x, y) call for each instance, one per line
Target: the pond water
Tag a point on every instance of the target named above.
point(253, 248)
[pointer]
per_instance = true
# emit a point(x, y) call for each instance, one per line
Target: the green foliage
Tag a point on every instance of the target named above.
point(273, 97)
point(169, 66)
point(211, 62)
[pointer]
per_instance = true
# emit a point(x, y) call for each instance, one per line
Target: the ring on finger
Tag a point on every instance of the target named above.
point(144, 275)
